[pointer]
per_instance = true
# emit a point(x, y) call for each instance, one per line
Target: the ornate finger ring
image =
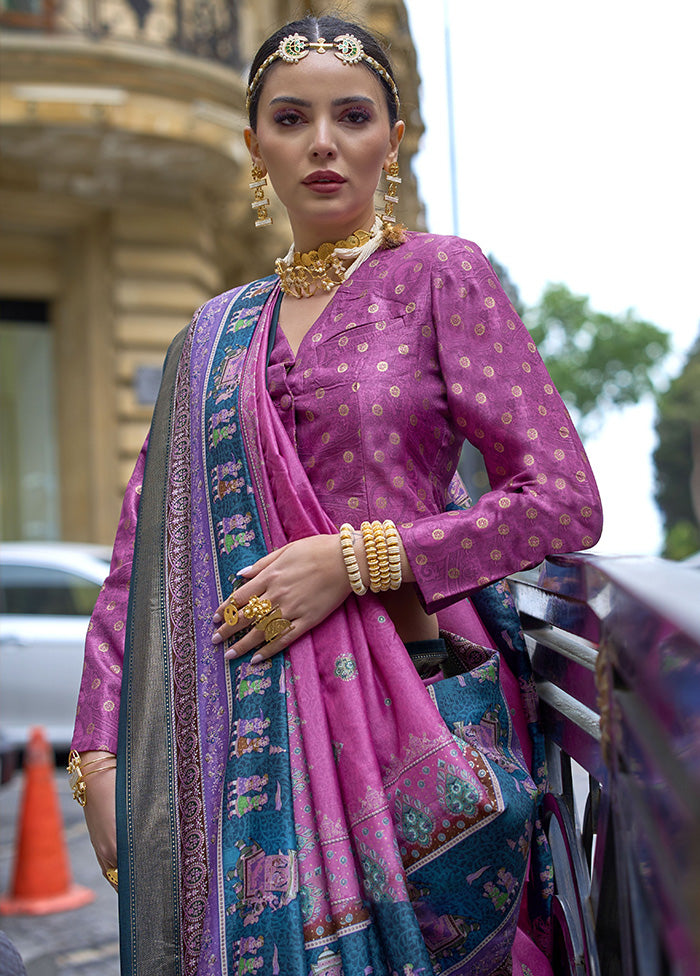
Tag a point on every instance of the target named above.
point(273, 625)
point(111, 875)
point(256, 608)
point(277, 628)
point(231, 612)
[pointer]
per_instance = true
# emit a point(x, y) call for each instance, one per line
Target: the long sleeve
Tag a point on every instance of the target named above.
point(499, 396)
point(97, 717)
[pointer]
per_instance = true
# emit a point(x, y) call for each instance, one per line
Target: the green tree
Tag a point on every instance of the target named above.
point(597, 361)
point(677, 459)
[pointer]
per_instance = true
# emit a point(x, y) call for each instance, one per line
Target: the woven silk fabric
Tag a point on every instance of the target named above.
point(321, 812)
point(420, 350)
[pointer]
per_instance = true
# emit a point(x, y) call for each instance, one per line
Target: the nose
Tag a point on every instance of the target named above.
point(322, 142)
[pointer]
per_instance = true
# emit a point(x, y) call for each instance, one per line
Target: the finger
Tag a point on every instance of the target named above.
point(229, 615)
point(245, 586)
point(248, 573)
point(270, 648)
point(247, 643)
point(268, 633)
point(259, 611)
point(226, 631)
point(235, 597)
point(108, 866)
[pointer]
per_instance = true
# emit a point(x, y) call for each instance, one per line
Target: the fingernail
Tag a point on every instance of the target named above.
point(256, 659)
point(216, 639)
point(217, 618)
point(242, 572)
point(230, 654)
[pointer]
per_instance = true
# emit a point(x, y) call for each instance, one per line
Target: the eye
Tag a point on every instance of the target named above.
point(288, 116)
point(357, 116)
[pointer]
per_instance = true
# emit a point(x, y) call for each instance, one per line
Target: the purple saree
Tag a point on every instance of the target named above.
point(323, 812)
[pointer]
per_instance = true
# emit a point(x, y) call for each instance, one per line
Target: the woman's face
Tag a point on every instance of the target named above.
point(323, 136)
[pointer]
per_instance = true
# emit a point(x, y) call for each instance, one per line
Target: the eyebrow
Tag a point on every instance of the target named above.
point(337, 102)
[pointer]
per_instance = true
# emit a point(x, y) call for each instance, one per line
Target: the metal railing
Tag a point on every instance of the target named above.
point(207, 29)
point(615, 646)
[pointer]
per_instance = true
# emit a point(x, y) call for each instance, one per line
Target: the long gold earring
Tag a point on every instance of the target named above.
point(391, 197)
point(260, 201)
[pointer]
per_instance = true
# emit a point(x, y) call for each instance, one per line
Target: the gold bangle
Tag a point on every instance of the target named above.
point(96, 762)
point(77, 773)
point(101, 759)
point(382, 553)
point(375, 576)
point(392, 537)
point(75, 777)
point(377, 558)
point(350, 559)
point(102, 769)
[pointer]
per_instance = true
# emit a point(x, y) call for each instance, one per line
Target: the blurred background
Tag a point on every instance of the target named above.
point(560, 138)
point(561, 142)
point(124, 204)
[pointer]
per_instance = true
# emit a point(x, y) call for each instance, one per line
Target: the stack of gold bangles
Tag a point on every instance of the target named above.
point(261, 614)
point(381, 542)
point(79, 771)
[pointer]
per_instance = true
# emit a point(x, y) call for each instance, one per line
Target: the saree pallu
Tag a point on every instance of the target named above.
point(322, 812)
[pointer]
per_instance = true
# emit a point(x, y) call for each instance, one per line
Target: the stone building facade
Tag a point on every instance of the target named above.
point(124, 204)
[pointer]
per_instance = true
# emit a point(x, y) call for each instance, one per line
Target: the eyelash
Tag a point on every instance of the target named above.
point(355, 116)
point(361, 115)
point(287, 117)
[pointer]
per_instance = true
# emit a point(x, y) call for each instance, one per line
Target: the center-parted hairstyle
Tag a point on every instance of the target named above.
point(315, 28)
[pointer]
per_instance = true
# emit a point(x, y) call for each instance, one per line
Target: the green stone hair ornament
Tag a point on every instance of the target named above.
point(346, 47)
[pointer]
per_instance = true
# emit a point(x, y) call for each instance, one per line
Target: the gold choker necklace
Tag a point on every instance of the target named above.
point(307, 271)
point(301, 274)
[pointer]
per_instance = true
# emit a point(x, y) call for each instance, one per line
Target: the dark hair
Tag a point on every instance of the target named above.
point(314, 28)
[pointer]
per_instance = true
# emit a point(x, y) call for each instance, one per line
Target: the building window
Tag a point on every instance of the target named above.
point(29, 487)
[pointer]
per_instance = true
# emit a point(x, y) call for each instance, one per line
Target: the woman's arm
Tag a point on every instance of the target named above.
point(100, 815)
point(97, 715)
point(307, 579)
point(543, 496)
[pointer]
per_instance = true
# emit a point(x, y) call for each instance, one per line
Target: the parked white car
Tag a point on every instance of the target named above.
point(47, 592)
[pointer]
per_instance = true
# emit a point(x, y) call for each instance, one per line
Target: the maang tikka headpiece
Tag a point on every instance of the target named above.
point(346, 47)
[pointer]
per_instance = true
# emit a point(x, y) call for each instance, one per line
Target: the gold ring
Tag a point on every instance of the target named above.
point(277, 627)
point(111, 875)
point(231, 613)
point(274, 625)
point(256, 608)
point(273, 614)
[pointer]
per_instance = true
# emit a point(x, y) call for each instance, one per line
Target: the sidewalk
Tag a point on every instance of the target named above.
point(83, 942)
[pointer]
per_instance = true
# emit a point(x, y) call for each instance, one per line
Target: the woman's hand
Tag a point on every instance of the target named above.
point(100, 813)
point(306, 579)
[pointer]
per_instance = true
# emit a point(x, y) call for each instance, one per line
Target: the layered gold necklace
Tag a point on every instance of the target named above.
point(303, 273)
point(325, 268)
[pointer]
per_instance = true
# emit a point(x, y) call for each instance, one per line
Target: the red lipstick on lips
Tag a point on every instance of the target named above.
point(324, 181)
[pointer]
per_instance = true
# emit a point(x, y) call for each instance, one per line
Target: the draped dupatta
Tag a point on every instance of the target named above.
point(322, 812)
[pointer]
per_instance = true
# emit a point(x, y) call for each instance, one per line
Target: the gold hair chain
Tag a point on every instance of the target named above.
point(347, 48)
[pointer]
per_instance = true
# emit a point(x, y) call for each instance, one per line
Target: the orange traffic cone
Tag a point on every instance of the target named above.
point(41, 880)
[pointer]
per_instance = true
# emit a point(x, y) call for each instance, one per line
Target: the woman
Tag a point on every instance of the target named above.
point(289, 797)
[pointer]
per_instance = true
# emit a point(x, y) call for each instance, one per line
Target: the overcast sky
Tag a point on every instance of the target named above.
point(577, 159)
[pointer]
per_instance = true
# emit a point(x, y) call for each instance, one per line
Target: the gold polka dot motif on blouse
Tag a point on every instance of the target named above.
point(431, 371)
point(454, 350)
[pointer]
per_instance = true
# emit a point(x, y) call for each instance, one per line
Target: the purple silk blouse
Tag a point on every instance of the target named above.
point(419, 351)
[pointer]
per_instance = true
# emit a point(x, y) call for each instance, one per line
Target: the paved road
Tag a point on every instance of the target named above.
point(82, 942)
